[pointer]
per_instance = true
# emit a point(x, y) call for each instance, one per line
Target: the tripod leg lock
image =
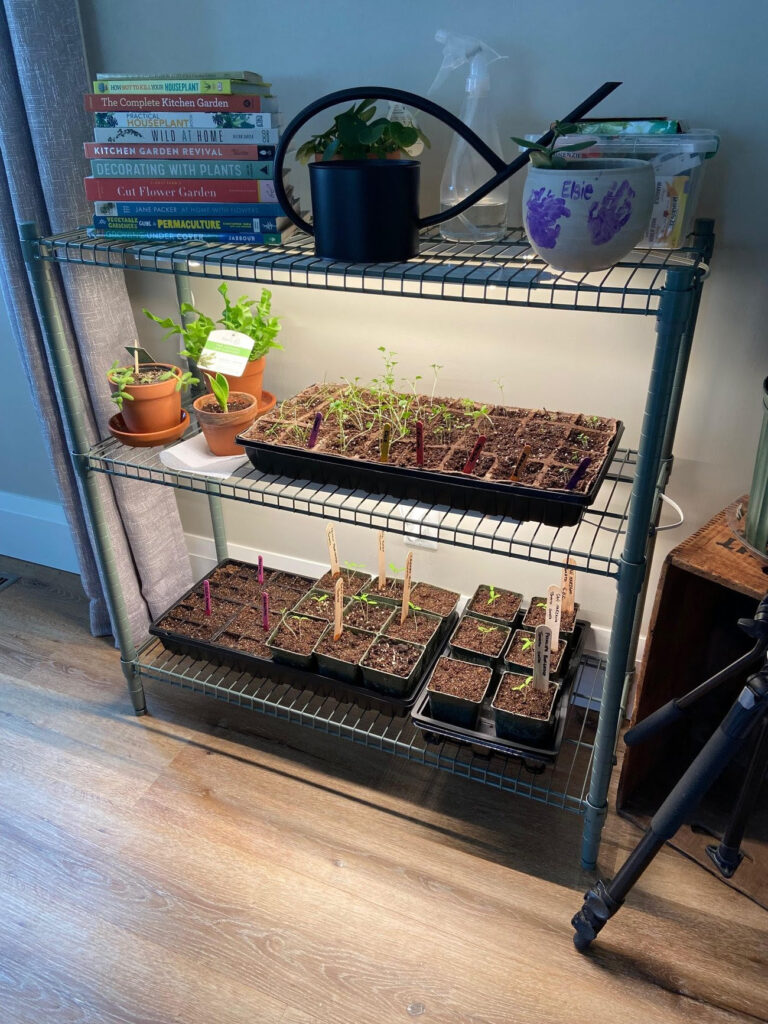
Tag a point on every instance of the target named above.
point(599, 907)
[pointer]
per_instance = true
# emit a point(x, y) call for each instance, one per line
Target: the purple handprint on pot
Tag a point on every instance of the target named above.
point(610, 215)
point(544, 210)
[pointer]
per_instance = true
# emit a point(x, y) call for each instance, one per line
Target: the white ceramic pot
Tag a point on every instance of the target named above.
point(590, 214)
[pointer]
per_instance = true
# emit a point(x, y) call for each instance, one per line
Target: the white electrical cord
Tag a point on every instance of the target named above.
point(676, 507)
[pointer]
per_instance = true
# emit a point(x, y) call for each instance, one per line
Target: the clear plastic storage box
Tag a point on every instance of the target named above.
point(678, 161)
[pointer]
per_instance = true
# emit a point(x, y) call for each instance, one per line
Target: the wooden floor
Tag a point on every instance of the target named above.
point(206, 866)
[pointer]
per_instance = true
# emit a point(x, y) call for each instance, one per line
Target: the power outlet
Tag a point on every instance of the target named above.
point(419, 535)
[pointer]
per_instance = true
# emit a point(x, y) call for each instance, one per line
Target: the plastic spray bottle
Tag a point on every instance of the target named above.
point(465, 170)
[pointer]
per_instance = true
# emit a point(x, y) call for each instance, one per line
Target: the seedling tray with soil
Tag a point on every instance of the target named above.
point(341, 658)
point(484, 737)
point(393, 666)
point(519, 655)
point(294, 639)
point(479, 641)
point(494, 603)
point(368, 613)
point(419, 628)
point(348, 451)
point(537, 613)
point(456, 691)
point(391, 591)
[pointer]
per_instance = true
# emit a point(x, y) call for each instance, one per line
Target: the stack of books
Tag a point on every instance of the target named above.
point(184, 157)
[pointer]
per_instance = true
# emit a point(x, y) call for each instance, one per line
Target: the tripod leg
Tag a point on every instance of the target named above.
point(727, 856)
point(602, 901)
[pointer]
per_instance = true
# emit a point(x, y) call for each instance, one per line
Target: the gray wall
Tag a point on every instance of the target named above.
point(700, 60)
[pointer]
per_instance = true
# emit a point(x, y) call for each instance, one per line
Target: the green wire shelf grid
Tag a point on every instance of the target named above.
point(506, 273)
point(562, 784)
point(594, 545)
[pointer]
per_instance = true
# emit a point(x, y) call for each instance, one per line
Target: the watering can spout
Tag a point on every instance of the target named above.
point(502, 170)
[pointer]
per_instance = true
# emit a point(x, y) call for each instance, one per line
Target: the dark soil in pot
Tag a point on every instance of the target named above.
point(456, 461)
point(195, 624)
point(418, 628)
point(434, 599)
point(350, 647)
point(479, 636)
point(392, 589)
point(318, 603)
point(521, 651)
point(353, 581)
point(367, 614)
point(537, 615)
point(283, 598)
point(527, 701)
point(461, 679)
point(297, 634)
point(392, 657)
point(501, 604)
point(249, 622)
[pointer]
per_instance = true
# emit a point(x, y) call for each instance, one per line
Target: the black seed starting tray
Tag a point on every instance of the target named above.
point(484, 736)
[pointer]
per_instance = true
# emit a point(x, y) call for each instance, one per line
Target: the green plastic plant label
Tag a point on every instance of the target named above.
point(226, 352)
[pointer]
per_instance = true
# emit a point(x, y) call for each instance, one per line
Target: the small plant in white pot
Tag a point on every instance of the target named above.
point(583, 214)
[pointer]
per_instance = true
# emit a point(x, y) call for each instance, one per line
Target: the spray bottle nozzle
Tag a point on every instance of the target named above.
point(460, 50)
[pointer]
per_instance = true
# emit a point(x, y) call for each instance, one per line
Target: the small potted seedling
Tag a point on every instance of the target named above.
point(148, 396)
point(393, 585)
point(294, 639)
point(491, 602)
point(519, 655)
point(435, 599)
point(521, 711)
point(456, 691)
point(222, 416)
point(341, 658)
point(537, 613)
point(317, 603)
point(479, 641)
point(419, 627)
point(363, 612)
point(392, 666)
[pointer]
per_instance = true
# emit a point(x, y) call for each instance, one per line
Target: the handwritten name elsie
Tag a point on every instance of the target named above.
point(576, 189)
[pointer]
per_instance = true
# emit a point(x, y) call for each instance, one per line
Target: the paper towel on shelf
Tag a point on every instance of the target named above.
point(193, 456)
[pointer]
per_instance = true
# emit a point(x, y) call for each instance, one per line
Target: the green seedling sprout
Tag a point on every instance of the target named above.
point(299, 619)
point(523, 686)
point(549, 156)
point(528, 643)
point(320, 600)
point(541, 604)
point(583, 440)
point(499, 382)
point(367, 603)
point(493, 595)
point(486, 629)
point(436, 368)
point(220, 388)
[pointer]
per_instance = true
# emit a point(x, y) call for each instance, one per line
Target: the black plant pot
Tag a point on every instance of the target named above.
point(365, 211)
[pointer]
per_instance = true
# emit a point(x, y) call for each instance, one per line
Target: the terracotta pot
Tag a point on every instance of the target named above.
point(250, 381)
point(221, 428)
point(155, 407)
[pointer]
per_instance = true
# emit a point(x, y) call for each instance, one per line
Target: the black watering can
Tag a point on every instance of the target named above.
point(367, 211)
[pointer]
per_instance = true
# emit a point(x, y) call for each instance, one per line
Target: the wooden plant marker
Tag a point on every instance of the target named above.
point(469, 465)
point(382, 562)
point(207, 596)
point(568, 586)
point(578, 473)
point(261, 569)
point(520, 464)
point(406, 588)
point(333, 553)
point(136, 365)
point(265, 610)
point(554, 610)
point(338, 608)
point(386, 437)
point(316, 424)
point(541, 658)
point(420, 444)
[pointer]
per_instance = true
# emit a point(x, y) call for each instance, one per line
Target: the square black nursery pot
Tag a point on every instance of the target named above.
point(415, 620)
point(462, 652)
point(337, 668)
point(558, 660)
point(536, 615)
point(295, 658)
point(389, 681)
point(354, 581)
point(506, 607)
point(520, 727)
point(451, 708)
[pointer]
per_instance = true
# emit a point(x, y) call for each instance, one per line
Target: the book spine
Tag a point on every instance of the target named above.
point(169, 103)
point(200, 190)
point(116, 209)
point(201, 236)
point(186, 119)
point(175, 151)
point(264, 225)
point(245, 169)
point(199, 85)
point(185, 136)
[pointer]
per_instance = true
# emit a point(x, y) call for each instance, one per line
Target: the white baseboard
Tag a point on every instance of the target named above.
point(202, 553)
point(36, 530)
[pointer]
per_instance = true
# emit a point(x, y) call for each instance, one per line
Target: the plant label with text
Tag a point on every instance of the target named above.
point(338, 608)
point(406, 587)
point(569, 590)
point(554, 608)
point(541, 657)
point(226, 352)
point(333, 553)
point(382, 562)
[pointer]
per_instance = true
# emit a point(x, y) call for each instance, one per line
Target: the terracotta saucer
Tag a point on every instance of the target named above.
point(151, 440)
point(267, 403)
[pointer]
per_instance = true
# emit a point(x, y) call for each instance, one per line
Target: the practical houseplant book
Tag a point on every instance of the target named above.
point(186, 119)
point(175, 85)
point(224, 136)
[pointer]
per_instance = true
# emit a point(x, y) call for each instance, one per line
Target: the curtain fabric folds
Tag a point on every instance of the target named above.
point(43, 124)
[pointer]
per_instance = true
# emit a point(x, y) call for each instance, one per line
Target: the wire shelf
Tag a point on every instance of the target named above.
point(506, 273)
point(563, 784)
point(594, 545)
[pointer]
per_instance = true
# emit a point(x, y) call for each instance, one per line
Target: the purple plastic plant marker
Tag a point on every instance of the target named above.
point(469, 465)
point(265, 610)
point(578, 473)
point(316, 424)
point(419, 444)
point(207, 596)
point(261, 569)
point(386, 436)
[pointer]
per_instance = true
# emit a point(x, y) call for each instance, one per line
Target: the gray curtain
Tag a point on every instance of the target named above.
point(43, 124)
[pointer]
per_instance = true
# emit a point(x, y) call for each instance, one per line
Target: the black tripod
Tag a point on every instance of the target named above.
point(748, 712)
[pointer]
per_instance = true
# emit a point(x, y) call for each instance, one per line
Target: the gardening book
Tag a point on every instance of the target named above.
point(134, 210)
point(171, 101)
point(225, 136)
point(251, 238)
point(244, 76)
point(177, 85)
point(175, 151)
point(187, 119)
point(182, 168)
point(259, 225)
point(181, 190)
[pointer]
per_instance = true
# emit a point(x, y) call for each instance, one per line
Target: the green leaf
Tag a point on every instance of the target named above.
point(572, 147)
point(220, 388)
point(330, 150)
point(372, 132)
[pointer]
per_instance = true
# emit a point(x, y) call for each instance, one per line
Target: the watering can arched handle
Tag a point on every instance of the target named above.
point(382, 92)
